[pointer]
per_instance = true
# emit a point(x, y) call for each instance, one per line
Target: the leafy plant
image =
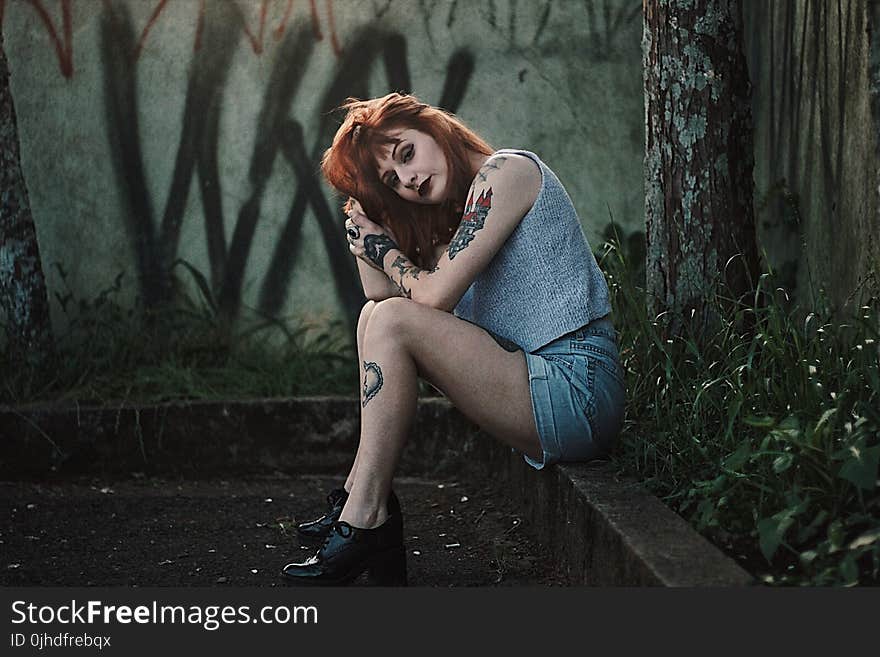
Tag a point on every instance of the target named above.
point(766, 434)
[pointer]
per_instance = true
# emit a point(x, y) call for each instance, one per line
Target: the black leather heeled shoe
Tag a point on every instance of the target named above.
point(320, 527)
point(350, 551)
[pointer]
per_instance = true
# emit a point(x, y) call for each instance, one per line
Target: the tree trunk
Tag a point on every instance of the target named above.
point(700, 222)
point(23, 297)
point(874, 81)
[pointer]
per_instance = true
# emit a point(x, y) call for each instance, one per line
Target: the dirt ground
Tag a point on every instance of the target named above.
point(145, 531)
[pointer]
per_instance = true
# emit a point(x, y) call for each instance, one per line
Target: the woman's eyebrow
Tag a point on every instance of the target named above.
point(384, 176)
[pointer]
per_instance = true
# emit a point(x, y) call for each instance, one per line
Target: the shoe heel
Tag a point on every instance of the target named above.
point(388, 569)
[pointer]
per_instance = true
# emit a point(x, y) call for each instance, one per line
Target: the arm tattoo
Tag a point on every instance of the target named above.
point(376, 246)
point(493, 163)
point(400, 265)
point(473, 219)
point(405, 268)
point(402, 289)
point(373, 384)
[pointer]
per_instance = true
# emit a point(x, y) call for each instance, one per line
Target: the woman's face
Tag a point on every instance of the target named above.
point(414, 166)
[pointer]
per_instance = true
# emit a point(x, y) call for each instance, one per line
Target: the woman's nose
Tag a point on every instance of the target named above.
point(408, 178)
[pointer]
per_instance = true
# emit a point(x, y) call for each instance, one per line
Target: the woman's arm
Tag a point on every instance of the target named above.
point(375, 283)
point(377, 286)
point(501, 194)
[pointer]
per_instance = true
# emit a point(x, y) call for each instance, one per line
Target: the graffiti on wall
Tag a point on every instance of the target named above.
point(63, 42)
point(604, 21)
point(220, 29)
point(278, 135)
point(257, 40)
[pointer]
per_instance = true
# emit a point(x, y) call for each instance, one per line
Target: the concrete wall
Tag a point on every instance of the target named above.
point(815, 144)
point(153, 130)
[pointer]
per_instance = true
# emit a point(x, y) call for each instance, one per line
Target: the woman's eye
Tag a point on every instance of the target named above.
point(393, 180)
point(408, 153)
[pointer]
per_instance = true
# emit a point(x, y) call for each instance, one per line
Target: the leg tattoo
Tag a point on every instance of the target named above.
point(372, 381)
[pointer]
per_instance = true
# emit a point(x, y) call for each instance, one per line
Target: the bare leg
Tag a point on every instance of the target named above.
point(403, 340)
point(364, 318)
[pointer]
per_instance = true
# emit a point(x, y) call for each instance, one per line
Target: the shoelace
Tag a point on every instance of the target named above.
point(340, 527)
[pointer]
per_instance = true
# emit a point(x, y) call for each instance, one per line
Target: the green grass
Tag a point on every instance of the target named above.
point(109, 353)
point(764, 435)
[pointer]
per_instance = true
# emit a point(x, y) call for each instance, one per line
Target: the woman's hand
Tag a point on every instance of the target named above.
point(367, 240)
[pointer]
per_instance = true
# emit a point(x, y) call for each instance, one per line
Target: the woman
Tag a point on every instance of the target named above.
point(479, 280)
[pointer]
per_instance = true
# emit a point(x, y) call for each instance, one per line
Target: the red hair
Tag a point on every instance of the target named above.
point(350, 166)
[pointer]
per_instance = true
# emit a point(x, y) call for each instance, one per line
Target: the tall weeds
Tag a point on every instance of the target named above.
point(765, 435)
point(110, 353)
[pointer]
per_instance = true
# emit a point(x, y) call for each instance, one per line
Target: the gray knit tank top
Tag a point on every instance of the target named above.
point(544, 281)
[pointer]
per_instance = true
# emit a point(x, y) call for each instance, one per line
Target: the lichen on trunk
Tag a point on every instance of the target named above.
point(700, 226)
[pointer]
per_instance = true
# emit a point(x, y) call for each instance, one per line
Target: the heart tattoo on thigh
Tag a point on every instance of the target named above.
point(372, 381)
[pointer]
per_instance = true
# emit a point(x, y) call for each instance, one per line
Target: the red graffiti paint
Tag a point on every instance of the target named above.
point(64, 49)
point(316, 26)
point(155, 15)
point(63, 44)
point(279, 31)
point(334, 42)
point(257, 41)
point(200, 25)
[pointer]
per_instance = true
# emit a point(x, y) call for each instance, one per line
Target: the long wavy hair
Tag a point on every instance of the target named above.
point(350, 166)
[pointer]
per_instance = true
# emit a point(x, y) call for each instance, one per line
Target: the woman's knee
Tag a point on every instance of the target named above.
point(366, 311)
point(364, 318)
point(390, 319)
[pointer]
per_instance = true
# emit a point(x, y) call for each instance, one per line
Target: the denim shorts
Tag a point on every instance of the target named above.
point(578, 394)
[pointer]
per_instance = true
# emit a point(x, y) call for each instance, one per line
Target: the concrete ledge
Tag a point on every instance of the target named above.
point(601, 529)
point(301, 435)
point(604, 530)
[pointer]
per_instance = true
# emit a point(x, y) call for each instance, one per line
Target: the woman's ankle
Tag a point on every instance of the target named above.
point(363, 518)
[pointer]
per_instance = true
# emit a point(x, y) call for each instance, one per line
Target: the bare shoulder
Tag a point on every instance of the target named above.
point(517, 176)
